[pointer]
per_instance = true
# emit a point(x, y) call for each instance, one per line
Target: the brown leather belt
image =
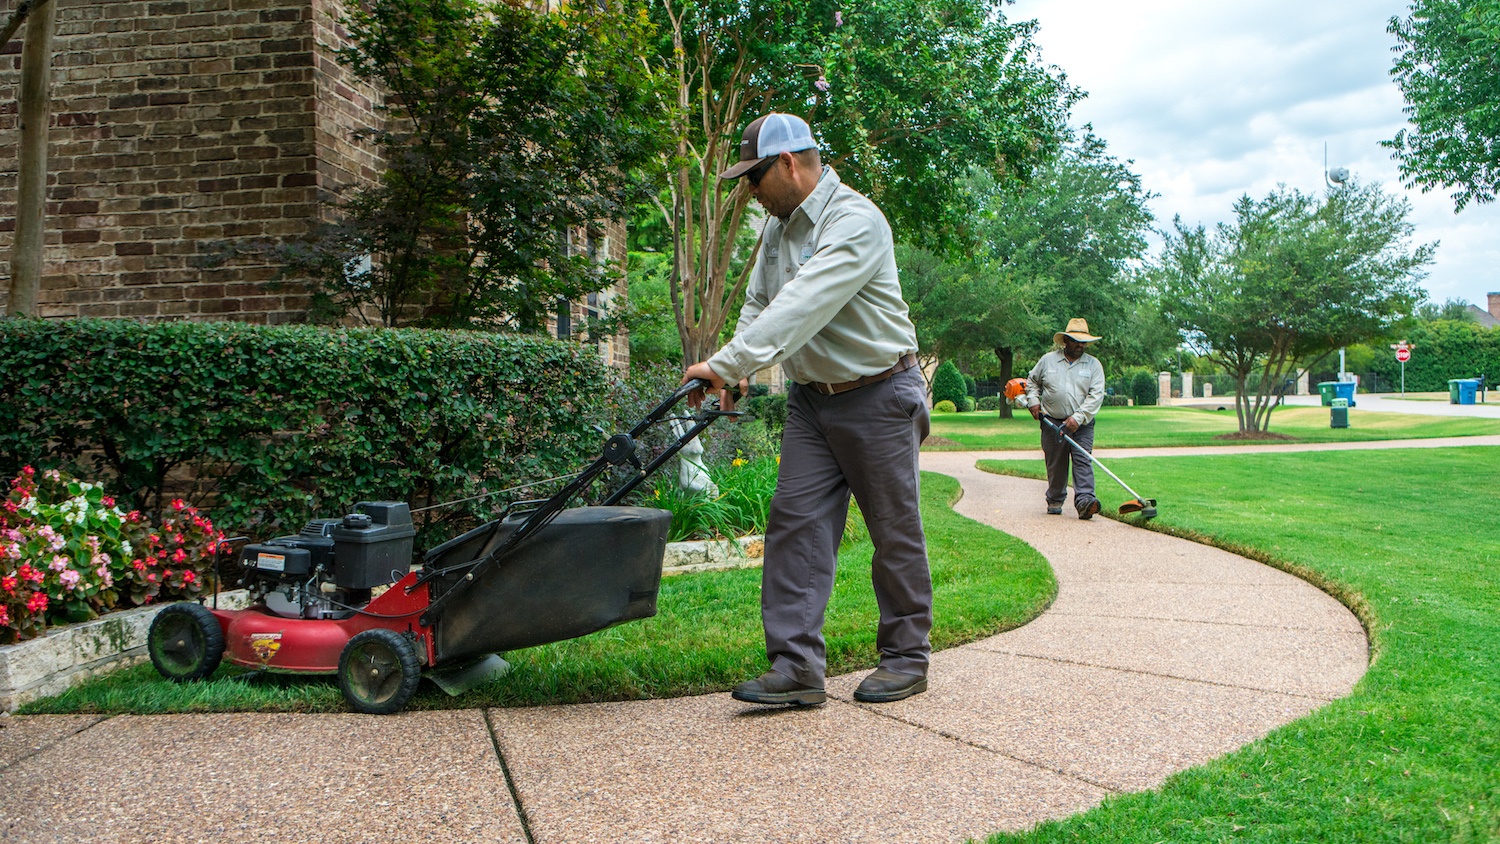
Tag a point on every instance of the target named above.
point(905, 363)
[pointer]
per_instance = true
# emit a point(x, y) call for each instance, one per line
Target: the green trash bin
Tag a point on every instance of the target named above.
point(1329, 391)
point(1453, 389)
point(1338, 413)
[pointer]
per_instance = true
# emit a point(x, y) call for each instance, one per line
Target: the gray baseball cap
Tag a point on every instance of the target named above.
point(767, 136)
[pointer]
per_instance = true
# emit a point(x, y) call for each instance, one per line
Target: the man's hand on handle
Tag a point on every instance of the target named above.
point(1070, 424)
point(704, 371)
point(1036, 411)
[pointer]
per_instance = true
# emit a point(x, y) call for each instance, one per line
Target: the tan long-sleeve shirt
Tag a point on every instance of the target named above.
point(824, 299)
point(1067, 388)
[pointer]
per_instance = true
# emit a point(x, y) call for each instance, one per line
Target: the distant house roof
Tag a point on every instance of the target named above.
point(1483, 317)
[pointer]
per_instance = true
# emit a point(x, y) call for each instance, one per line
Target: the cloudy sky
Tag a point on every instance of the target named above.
point(1213, 100)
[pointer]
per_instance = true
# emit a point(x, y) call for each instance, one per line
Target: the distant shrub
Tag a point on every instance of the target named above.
point(948, 384)
point(1143, 388)
point(945, 406)
point(990, 403)
point(1117, 401)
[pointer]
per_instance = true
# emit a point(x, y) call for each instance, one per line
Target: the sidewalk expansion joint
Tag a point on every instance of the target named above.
point(510, 781)
point(55, 742)
point(1144, 673)
point(958, 739)
point(1206, 621)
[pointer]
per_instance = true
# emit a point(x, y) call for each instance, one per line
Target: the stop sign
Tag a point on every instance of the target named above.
point(1403, 354)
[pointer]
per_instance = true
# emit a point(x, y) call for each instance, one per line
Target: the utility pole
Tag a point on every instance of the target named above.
point(31, 182)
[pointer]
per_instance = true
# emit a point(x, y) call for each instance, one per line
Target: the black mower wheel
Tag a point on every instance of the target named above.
point(379, 671)
point(185, 642)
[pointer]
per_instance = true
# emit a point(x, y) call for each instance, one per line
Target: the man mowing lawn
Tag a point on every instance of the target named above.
point(1067, 386)
point(824, 301)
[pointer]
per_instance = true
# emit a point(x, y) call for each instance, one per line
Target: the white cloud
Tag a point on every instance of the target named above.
point(1216, 100)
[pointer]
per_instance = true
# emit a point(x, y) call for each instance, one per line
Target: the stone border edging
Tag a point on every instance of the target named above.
point(713, 555)
point(65, 656)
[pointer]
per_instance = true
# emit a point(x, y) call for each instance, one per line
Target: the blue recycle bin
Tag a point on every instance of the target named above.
point(1463, 390)
point(1344, 390)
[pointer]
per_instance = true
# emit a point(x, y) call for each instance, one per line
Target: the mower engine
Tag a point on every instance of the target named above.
point(328, 570)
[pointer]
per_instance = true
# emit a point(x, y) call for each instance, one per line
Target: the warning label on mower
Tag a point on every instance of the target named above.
point(265, 645)
point(271, 562)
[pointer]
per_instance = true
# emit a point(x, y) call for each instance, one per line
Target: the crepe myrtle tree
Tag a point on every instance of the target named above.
point(1447, 69)
point(1291, 279)
point(904, 96)
point(511, 132)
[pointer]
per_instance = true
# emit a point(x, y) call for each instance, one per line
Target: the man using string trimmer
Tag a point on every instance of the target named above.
point(1067, 388)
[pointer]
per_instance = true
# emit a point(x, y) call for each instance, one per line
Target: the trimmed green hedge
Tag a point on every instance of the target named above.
point(1441, 350)
point(274, 425)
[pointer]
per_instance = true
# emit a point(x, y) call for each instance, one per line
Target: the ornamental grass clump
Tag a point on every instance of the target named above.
point(68, 554)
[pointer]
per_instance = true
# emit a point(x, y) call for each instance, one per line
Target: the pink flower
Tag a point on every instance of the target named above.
point(105, 576)
point(27, 572)
point(38, 602)
point(46, 532)
point(69, 579)
point(59, 562)
point(189, 577)
point(139, 566)
point(178, 556)
point(13, 535)
point(151, 578)
point(822, 84)
point(178, 504)
point(8, 583)
point(107, 501)
point(13, 551)
point(4, 617)
point(28, 472)
point(838, 18)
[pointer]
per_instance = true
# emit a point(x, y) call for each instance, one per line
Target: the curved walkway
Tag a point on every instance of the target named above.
point(1159, 654)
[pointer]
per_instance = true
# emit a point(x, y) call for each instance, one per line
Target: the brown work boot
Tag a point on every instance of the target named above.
point(774, 687)
point(884, 685)
point(1089, 510)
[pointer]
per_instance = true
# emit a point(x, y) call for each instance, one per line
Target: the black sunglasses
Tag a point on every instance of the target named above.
point(760, 172)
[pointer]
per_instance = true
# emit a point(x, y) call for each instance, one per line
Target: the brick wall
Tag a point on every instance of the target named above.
point(180, 130)
point(180, 127)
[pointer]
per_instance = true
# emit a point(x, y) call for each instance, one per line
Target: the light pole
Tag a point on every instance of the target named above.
point(1336, 178)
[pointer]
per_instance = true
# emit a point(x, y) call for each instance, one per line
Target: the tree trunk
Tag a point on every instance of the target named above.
point(31, 182)
point(1007, 356)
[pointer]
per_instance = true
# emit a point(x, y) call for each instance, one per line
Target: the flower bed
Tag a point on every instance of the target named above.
point(68, 554)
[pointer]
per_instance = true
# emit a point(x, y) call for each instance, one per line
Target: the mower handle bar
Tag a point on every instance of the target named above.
point(617, 450)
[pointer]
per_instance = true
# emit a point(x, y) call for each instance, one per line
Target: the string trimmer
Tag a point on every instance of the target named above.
point(1016, 387)
point(1145, 506)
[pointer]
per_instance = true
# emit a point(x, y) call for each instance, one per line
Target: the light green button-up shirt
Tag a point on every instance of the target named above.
point(824, 299)
point(1067, 388)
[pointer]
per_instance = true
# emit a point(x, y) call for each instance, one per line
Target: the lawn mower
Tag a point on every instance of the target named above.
point(541, 572)
point(1015, 388)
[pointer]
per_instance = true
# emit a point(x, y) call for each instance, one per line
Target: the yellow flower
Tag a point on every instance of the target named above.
point(738, 461)
point(778, 460)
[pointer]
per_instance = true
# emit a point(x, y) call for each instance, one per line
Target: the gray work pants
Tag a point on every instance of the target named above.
point(864, 441)
point(1060, 456)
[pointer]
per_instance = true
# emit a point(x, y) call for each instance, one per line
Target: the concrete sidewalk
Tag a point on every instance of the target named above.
point(1159, 654)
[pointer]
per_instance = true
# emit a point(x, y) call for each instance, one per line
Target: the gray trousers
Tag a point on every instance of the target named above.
point(864, 441)
point(1060, 456)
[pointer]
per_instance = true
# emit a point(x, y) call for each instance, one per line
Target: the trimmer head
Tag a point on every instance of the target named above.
point(1146, 508)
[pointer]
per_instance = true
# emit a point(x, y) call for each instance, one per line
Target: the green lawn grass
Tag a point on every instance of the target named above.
point(706, 637)
point(1144, 427)
point(1412, 539)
